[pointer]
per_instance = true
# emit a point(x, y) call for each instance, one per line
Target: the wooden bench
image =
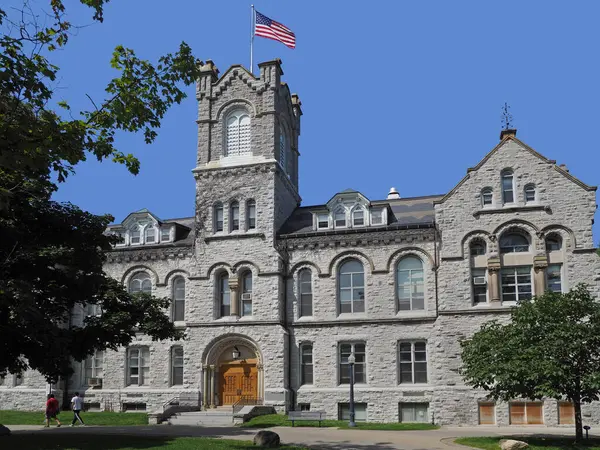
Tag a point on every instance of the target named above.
point(306, 415)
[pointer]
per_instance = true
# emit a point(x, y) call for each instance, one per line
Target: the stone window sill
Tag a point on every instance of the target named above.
point(511, 209)
point(237, 235)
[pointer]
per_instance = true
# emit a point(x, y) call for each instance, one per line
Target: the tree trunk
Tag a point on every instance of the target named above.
point(578, 421)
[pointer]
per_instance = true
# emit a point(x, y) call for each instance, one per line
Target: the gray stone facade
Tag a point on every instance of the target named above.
point(241, 165)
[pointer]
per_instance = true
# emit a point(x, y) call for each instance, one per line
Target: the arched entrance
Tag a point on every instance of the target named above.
point(232, 371)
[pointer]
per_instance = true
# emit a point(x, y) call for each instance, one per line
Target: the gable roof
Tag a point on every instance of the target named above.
point(526, 147)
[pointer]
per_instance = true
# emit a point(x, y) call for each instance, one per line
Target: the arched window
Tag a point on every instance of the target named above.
point(218, 217)
point(140, 282)
point(411, 284)
point(250, 214)
point(150, 234)
point(223, 295)
point(177, 365)
point(477, 247)
point(351, 287)
point(305, 290)
point(282, 150)
point(530, 193)
point(247, 293)
point(487, 197)
point(238, 133)
point(553, 242)
point(234, 216)
point(514, 242)
point(339, 218)
point(358, 217)
point(508, 190)
point(179, 299)
point(135, 235)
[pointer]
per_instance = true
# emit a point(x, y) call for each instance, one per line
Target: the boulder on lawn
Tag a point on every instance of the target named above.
point(511, 444)
point(4, 431)
point(267, 439)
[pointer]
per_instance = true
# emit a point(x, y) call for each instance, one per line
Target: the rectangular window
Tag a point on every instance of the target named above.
point(413, 362)
point(93, 310)
point(247, 294)
point(165, 234)
point(553, 278)
point(135, 237)
point(340, 219)
point(322, 221)
point(303, 406)
point(508, 195)
point(414, 412)
point(526, 413)
point(360, 364)
point(352, 291)
point(219, 218)
point(358, 218)
point(178, 299)
point(516, 284)
point(377, 217)
point(1, 381)
point(177, 366)
point(479, 285)
point(134, 407)
point(307, 364)
point(150, 235)
point(487, 414)
point(360, 412)
point(251, 215)
point(93, 366)
point(566, 413)
point(305, 288)
point(19, 379)
point(235, 217)
point(138, 366)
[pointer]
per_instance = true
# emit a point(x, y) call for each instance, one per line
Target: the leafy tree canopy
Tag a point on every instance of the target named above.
point(51, 254)
point(550, 348)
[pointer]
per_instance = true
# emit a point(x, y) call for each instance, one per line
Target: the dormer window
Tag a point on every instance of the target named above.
point(135, 236)
point(377, 217)
point(358, 218)
point(150, 235)
point(530, 194)
point(121, 236)
point(322, 220)
point(165, 234)
point(340, 218)
point(487, 197)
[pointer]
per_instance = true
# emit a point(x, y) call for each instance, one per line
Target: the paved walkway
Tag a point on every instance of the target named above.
point(317, 438)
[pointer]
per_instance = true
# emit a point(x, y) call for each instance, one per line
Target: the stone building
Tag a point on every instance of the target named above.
point(274, 296)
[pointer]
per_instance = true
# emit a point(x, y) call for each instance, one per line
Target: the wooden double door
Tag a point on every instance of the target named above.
point(238, 380)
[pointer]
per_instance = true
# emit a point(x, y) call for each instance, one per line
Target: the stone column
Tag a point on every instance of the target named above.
point(215, 386)
point(494, 279)
point(235, 305)
point(212, 387)
point(260, 381)
point(540, 264)
point(205, 396)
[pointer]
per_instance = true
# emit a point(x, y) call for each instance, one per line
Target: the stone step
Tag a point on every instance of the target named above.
point(205, 413)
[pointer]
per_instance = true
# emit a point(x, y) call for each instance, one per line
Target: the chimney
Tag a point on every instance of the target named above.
point(508, 132)
point(564, 167)
point(393, 194)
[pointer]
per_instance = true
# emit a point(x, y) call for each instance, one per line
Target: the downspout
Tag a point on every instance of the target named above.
point(286, 326)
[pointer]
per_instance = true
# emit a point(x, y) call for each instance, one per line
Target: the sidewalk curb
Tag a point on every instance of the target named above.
point(449, 441)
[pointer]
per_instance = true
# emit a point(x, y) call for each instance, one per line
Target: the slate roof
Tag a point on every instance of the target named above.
point(402, 213)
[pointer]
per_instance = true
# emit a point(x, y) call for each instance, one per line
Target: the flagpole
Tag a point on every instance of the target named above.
point(252, 21)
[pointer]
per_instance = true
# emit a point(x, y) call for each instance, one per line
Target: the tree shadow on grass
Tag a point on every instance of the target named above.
point(344, 445)
point(554, 441)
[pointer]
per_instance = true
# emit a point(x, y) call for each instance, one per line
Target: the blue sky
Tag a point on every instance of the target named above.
point(394, 93)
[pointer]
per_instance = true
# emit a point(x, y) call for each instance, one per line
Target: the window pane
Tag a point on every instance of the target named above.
point(358, 218)
point(345, 280)
point(376, 217)
point(235, 216)
point(251, 216)
point(247, 308)
point(553, 278)
point(323, 221)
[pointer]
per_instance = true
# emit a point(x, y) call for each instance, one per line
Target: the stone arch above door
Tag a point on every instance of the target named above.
point(215, 352)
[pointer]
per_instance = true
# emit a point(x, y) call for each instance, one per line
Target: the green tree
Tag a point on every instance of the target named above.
point(51, 254)
point(550, 348)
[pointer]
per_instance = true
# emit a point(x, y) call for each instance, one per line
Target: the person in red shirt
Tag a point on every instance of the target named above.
point(52, 410)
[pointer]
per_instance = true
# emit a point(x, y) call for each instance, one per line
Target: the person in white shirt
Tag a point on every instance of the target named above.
point(77, 405)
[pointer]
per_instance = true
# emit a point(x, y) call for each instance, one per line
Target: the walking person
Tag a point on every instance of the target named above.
point(52, 410)
point(77, 405)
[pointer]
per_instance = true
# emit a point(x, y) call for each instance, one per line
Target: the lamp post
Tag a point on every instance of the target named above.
point(351, 361)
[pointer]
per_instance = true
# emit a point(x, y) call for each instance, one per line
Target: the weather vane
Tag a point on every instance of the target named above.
point(507, 117)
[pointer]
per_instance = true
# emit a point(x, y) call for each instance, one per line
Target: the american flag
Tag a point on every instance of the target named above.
point(270, 29)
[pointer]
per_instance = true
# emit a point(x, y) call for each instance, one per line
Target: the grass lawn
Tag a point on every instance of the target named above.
point(90, 418)
point(535, 443)
point(280, 420)
point(70, 441)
